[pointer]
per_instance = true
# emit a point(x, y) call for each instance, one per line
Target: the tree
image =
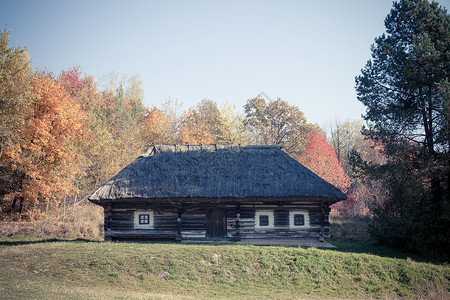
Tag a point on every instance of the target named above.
point(15, 107)
point(71, 80)
point(46, 152)
point(405, 90)
point(400, 85)
point(277, 123)
point(168, 129)
point(345, 136)
point(350, 144)
point(98, 151)
point(15, 96)
point(321, 158)
point(124, 115)
point(155, 126)
point(199, 125)
point(231, 127)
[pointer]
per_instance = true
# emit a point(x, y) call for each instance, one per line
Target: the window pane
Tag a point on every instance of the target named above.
point(299, 220)
point(263, 220)
point(144, 219)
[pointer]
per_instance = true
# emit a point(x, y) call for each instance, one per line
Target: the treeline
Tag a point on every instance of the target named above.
point(62, 135)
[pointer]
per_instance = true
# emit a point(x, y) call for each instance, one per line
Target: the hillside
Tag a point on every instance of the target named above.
point(86, 270)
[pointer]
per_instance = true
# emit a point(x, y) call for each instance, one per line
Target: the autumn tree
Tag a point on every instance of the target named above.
point(124, 115)
point(72, 81)
point(155, 126)
point(404, 90)
point(320, 158)
point(114, 124)
point(231, 127)
point(98, 150)
point(15, 107)
point(200, 124)
point(46, 152)
point(277, 123)
point(345, 136)
point(348, 141)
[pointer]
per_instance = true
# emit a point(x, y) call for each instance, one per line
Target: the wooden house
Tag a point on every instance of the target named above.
point(215, 192)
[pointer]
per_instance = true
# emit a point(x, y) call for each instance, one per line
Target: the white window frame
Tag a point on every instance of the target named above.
point(268, 213)
point(305, 213)
point(143, 212)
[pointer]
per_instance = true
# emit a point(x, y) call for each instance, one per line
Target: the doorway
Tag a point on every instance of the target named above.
point(216, 223)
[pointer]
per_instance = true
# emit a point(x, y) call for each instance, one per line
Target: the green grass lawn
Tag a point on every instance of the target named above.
point(34, 268)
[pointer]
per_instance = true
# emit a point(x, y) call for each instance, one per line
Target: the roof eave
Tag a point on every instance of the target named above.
point(220, 199)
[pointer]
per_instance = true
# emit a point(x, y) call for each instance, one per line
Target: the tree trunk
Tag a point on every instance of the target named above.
point(20, 207)
point(13, 205)
point(437, 195)
point(447, 191)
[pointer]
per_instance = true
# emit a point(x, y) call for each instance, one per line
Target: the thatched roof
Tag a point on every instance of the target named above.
point(215, 171)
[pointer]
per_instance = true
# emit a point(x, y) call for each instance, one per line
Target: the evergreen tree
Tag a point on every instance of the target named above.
point(405, 90)
point(400, 84)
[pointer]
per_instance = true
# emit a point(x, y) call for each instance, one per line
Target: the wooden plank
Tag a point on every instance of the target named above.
point(216, 223)
point(281, 218)
point(194, 220)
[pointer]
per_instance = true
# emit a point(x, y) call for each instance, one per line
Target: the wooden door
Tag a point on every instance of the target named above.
point(216, 223)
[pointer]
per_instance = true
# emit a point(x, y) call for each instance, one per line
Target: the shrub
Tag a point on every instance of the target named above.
point(84, 221)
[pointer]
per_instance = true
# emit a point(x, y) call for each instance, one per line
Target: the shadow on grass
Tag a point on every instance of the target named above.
point(369, 247)
point(43, 241)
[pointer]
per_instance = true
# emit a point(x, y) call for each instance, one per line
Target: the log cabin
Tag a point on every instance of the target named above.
point(217, 193)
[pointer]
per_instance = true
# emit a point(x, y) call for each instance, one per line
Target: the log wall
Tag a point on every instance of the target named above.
point(281, 227)
point(240, 221)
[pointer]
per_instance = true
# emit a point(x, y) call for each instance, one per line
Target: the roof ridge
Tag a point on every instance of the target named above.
point(154, 149)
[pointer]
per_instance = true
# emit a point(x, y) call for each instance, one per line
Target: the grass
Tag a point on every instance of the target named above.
point(81, 269)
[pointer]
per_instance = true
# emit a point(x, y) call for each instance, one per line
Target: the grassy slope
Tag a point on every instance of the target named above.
point(86, 270)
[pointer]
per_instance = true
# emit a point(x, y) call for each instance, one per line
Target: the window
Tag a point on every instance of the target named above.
point(299, 219)
point(264, 219)
point(143, 219)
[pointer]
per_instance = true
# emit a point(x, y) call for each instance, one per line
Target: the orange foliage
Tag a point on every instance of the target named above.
point(321, 158)
point(197, 135)
point(153, 121)
point(46, 155)
point(200, 124)
point(84, 91)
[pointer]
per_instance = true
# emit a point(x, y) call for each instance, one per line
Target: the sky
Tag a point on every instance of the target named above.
point(304, 52)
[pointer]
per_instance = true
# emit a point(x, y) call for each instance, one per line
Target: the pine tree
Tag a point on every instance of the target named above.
point(405, 90)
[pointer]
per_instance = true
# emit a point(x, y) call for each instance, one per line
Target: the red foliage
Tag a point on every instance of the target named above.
point(321, 158)
point(349, 207)
point(71, 79)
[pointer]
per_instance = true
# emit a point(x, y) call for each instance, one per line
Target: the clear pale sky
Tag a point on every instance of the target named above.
point(305, 52)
